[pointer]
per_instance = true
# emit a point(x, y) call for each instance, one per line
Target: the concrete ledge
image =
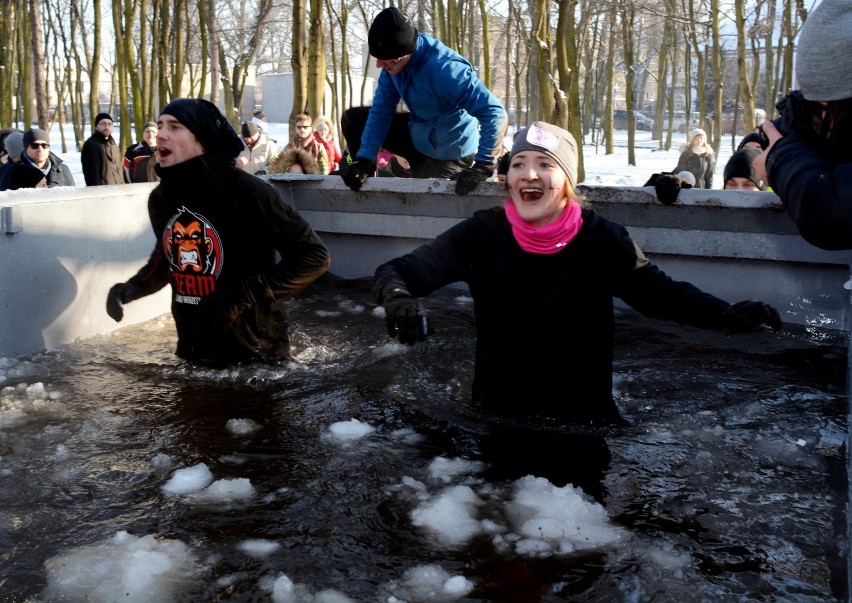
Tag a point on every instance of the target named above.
point(63, 248)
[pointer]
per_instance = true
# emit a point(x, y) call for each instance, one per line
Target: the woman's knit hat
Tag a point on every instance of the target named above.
point(739, 166)
point(823, 68)
point(391, 35)
point(552, 141)
point(696, 132)
point(206, 122)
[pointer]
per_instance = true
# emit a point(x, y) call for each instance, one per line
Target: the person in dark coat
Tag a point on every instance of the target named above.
point(810, 166)
point(24, 175)
point(218, 230)
point(137, 156)
point(543, 271)
point(697, 157)
point(100, 156)
point(36, 153)
point(13, 144)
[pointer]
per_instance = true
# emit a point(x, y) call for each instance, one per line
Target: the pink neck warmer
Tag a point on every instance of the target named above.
point(547, 239)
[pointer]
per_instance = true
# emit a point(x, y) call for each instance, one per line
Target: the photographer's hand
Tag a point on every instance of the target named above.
point(759, 163)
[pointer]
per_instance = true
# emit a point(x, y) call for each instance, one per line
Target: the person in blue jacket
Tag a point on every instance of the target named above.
point(454, 126)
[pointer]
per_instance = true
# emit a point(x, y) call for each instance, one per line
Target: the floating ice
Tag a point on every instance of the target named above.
point(258, 547)
point(224, 490)
point(188, 480)
point(446, 469)
point(349, 431)
point(242, 426)
point(122, 568)
point(553, 520)
point(284, 590)
point(451, 515)
point(429, 583)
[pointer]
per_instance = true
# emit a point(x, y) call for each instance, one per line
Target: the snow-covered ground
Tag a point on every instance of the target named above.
point(611, 170)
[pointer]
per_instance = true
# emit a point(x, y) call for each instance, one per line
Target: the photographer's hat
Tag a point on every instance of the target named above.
point(823, 68)
point(391, 35)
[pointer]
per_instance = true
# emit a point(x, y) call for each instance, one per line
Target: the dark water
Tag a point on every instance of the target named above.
point(728, 483)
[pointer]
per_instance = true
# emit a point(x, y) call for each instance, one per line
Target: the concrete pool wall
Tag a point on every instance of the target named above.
point(62, 249)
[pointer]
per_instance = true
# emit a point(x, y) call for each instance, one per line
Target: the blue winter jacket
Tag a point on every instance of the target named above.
point(452, 113)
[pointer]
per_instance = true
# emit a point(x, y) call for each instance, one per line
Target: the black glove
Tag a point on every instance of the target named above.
point(667, 186)
point(468, 179)
point(748, 315)
point(406, 318)
point(119, 294)
point(355, 174)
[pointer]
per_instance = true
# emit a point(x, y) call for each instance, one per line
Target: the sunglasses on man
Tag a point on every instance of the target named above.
point(39, 145)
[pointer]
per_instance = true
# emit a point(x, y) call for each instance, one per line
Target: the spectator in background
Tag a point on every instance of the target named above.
point(697, 157)
point(225, 244)
point(753, 140)
point(258, 118)
point(13, 144)
point(100, 157)
point(739, 172)
point(809, 164)
point(137, 156)
point(37, 153)
point(294, 160)
point(259, 152)
point(305, 139)
point(454, 127)
point(324, 132)
point(4, 153)
point(24, 175)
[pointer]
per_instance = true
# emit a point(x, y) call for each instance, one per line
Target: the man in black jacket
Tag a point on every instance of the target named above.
point(227, 244)
point(100, 156)
point(37, 153)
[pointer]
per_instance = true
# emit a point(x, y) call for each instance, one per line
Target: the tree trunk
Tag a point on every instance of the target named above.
point(317, 71)
point(37, 49)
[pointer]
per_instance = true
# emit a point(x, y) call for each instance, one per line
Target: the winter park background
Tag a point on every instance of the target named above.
point(130, 477)
point(601, 169)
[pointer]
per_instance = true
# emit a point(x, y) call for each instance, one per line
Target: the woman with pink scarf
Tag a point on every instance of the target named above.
point(543, 270)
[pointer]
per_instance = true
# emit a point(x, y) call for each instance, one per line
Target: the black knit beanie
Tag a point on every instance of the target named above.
point(391, 35)
point(101, 116)
point(206, 122)
point(750, 137)
point(739, 166)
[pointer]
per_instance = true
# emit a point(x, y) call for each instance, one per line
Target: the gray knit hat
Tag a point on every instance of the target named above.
point(552, 141)
point(15, 144)
point(823, 68)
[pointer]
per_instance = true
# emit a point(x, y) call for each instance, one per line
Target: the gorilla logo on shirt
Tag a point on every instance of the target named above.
point(192, 244)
